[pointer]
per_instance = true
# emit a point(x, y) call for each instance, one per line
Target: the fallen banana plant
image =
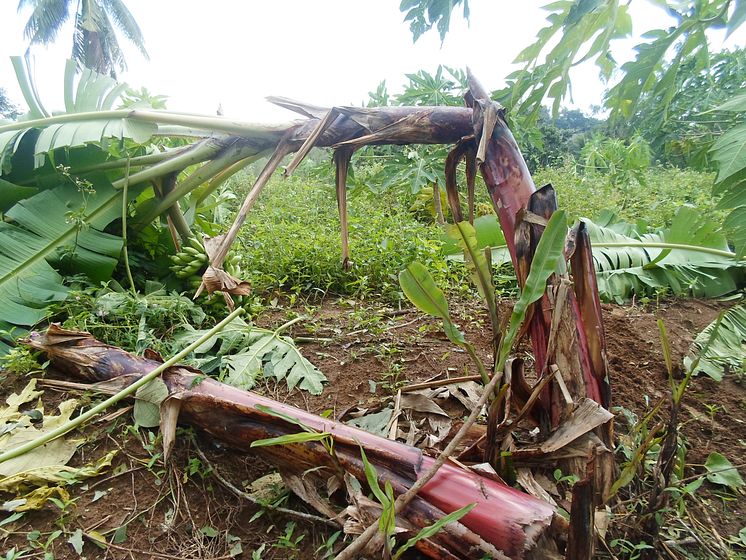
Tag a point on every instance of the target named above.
point(564, 325)
point(505, 523)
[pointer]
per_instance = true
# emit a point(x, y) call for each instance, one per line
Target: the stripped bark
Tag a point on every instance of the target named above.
point(342, 157)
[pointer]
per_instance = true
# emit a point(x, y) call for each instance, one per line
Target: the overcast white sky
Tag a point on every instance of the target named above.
point(327, 52)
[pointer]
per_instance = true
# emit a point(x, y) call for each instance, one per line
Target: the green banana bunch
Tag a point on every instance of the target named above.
point(191, 260)
point(232, 264)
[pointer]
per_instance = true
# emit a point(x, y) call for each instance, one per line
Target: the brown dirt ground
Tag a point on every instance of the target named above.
point(165, 508)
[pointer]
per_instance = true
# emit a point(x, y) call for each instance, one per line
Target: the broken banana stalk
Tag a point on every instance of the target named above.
point(505, 523)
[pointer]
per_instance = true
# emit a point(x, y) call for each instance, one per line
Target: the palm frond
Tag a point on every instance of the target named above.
point(79, 42)
point(46, 20)
point(126, 24)
point(111, 53)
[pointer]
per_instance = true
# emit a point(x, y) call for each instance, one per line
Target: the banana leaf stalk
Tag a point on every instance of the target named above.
point(505, 522)
point(263, 132)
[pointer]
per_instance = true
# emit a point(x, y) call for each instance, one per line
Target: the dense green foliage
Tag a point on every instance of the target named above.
point(654, 200)
point(682, 132)
point(291, 241)
point(673, 90)
point(587, 29)
point(423, 15)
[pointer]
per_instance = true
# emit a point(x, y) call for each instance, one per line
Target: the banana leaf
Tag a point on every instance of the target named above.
point(93, 92)
point(62, 226)
point(628, 263)
point(632, 264)
point(726, 353)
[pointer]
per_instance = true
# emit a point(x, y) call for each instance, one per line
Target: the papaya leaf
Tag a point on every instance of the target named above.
point(244, 353)
point(729, 151)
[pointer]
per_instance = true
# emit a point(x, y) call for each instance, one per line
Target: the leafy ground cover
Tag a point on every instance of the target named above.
point(368, 350)
point(356, 328)
point(291, 241)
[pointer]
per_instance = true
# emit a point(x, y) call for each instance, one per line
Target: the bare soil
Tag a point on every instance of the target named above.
point(366, 351)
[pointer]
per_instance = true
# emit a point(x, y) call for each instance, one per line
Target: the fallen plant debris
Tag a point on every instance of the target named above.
point(505, 522)
point(562, 420)
point(41, 473)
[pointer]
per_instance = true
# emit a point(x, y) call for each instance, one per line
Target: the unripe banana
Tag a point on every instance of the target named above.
point(194, 242)
point(192, 251)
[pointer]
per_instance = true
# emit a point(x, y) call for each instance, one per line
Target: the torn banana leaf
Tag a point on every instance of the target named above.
point(38, 475)
point(726, 352)
point(242, 353)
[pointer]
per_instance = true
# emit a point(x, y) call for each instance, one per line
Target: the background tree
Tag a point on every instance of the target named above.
point(682, 131)
point(95, 43)
point(8, 109)
point(667, 60)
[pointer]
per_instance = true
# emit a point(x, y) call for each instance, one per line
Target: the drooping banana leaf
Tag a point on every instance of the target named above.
point(726, 353)
point(93, 92)
point(11, 193)
point(729, 151)
point(628, 265)
point(63, 226)
point(631, 261)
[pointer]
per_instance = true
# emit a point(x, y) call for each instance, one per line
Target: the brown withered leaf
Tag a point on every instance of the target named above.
point(216, 279)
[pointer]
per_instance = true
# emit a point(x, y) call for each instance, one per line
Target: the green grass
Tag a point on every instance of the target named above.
point(291, 242)
point(655, 202)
